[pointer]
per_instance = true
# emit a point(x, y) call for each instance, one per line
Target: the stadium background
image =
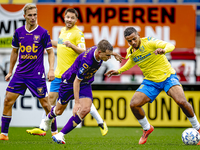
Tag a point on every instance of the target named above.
point(175, 21)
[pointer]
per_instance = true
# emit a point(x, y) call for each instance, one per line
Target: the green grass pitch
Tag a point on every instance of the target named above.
point(90, 138)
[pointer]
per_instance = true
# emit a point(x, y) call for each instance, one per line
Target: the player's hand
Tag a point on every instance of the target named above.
point(7, 77)
point(111, 72)
point(51, 75)
point(118, 57)
point(159, 51)
point(68, 44)
point(76, 108)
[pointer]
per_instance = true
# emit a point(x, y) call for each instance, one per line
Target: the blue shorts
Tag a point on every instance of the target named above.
point(66, 92)
point(55, 85)
point(19, 85)
point(152, 89)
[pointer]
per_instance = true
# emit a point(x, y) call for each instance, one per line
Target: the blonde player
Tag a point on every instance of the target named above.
point(149, 54)
point(70, 44)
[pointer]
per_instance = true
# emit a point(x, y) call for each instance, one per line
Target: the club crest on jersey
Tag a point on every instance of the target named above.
point(36, 38)
point(142, 49)
point(40, 90)
point(81, 70)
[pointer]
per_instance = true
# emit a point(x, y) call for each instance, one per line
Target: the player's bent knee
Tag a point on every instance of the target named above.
point(44, 105)
point(132, 104)
point(58, 112)
point(182, 103)
point(8, 102)
point(84, 111)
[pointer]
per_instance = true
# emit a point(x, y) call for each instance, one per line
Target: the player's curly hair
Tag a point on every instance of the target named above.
point(129, 30)
point(72, 10)
point(104, 45)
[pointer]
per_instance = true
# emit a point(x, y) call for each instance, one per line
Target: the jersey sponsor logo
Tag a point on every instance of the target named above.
point(60, 41)
point(28, 56)
point(140, 57)
point(91, 73)
point(28, 49)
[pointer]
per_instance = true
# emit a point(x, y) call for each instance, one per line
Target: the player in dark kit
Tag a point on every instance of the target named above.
point(29, 43)
point(76, 84)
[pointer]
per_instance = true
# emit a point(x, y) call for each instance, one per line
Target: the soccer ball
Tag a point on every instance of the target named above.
point(190, 136)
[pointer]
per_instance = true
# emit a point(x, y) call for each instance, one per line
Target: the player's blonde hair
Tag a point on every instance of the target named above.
point(28, 7)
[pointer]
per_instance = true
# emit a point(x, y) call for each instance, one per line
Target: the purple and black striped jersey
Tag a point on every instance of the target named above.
point(31, 51)
point(85, 66)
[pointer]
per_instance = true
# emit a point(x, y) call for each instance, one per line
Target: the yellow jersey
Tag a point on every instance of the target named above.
point(65, 55)
point(155, 68)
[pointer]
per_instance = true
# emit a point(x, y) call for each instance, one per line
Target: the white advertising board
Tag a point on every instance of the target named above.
point(27, 111)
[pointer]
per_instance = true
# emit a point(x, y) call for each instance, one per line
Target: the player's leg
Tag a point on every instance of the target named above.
point(52, 99)
point(38, 89)
point(100, 122)
point(7, 114)
point(55, 111)
point(15, 88)
point(174, 90)
point(38, 131)
point(53, 95)
point(138, 100)
point(147, 92)
point(177, 93)
point(85, 104)
point(85, 96)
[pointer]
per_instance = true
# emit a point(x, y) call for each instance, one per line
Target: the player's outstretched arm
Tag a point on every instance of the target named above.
point(111, 73)
point(118, 57)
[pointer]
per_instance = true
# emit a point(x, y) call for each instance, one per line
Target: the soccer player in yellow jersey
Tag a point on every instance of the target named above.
point(70, 44)
point(149, 54)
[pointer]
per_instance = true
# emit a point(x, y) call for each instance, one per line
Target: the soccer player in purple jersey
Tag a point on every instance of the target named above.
point(76, 84)
point(29, 43)
point(70, 44)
